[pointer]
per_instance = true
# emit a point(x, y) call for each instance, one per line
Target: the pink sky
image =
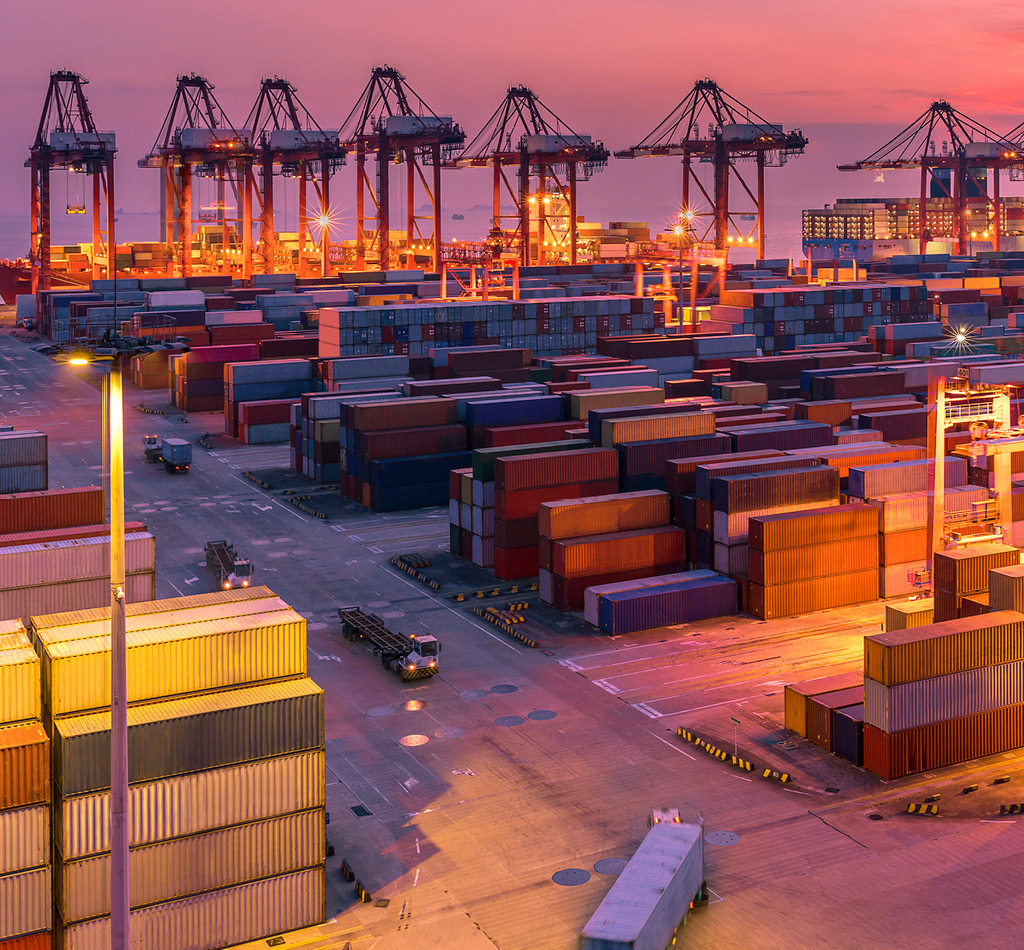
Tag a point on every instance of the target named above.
point(847, 74)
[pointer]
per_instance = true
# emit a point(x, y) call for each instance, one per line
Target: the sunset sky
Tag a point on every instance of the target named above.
point(848, 75)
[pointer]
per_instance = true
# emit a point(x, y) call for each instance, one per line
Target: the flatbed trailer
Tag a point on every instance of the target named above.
point(412, 657)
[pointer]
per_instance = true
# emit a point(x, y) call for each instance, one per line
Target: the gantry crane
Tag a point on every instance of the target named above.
point(67, 138)
point(735, 133)
point(393, 123)
point(524, 133)
point(958, 173)
point(289, 142)
point(197, 139)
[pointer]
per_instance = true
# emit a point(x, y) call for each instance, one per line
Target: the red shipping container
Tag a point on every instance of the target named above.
point(230, 333)
point(555, 468)
point(54, 508)
point(65, 534)
point(236, 353)
point(525, 435)
point(265, 411)
point(514, 563)
point(574, 557)
point(289, 347)
point(397, 443)
point(567, 592)
point(403, 414)
point(526, 503)
point(37, 941)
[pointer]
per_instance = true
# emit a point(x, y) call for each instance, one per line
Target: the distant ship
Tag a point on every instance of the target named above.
point(458, 217)
point(15, 278)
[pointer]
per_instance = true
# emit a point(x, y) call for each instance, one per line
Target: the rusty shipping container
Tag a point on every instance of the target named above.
point(797, 694)
point(574, 557)
point(820, 711)
point(241, 725)
point(24, 902)
point(54, 508)
point(965, 570)
point(603, 514)
point(521, 472)
point(24, 766)
point(812, 526)
point(819, 593)
point(796, 564)
point(903, 656)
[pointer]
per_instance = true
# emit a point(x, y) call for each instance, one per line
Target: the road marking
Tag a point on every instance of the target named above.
point(416, 879)
point(606, 686)
point(795, 791)
point(648, 711)
point(672, 746)
point(569, 665)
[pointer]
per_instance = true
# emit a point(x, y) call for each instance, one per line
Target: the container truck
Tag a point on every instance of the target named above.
point(176, 454)
point(651, 899)
point(412, 657)
point(231, 570)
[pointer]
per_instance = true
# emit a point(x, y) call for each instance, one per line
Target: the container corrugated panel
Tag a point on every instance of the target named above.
point(580, 403)
point(731, 559)
point(555, 468)
point(893, 755)
point(652, 895)
point(965, 570)
point(874, 481)
point(575, 557)
point(24, 602)
point(848, 733)
point(781, 435)
point(796, 695)
point(9, 627)
point(909, 511)
point(812, 526)
point(922, 702)
point(645, 428)
point(14, 641)
point(819, 593)
point(168, 605)
point(914, 613)
point(23, 447)
point(175, 661)
point(819, 713)
point(603, 514)
point(22, 478)
point(947, 647)
point(24, 766)
point(681, 474)
point(19, 685)
point(592, 594)
point(649, 458)
point(795, 564)
point(597, 416)
point(899, 547)
point(241, 725)
point(759, 490)
point(484, 459)
point(59, 561)
point(513, 412)
point(189, 866)
point(215, 919)
point(1006, 588)
point(188, 804)
point(736, 464)
point(55, 508)
point(24, 838)
point(37, 941)
point(66, 534)
point(683, 602)
point(735, 528)
point(403, 413)
point(24, 902)
point(427, 440)
point(901, 580)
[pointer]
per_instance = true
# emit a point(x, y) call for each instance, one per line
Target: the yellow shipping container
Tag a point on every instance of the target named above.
point(19, 685)
point(643, 428)
point(582, 402)
point(176, 661)
point(912, 613)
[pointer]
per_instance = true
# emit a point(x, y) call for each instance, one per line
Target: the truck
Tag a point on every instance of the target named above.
point(415, 656)
point(651, 899)
point(231, 570)
point(176, 454)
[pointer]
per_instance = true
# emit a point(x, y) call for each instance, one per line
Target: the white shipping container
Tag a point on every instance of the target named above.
point(24, 838)
point(904, 512)
point(26, 602)
point(216, 919)
point(22, 447)
point(25, 903)
point(19, 685)
point(483, 493)
point(28, 565)
point(237, 374)
point(186, 866)
point(176, 661)
point(189, 804)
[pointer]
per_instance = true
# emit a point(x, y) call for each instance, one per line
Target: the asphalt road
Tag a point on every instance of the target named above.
point(455, 800)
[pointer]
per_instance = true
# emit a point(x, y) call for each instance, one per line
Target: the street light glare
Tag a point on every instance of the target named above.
point(324, 221)
point(78, 361)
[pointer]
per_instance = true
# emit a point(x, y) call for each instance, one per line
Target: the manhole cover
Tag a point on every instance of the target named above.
point(541, 714)
point(414, 740)
point(377, 604)
point(721, 838)
point(276, 540)
point(874, 816)
point(473, 693)
point(447, 732)
point(832, 790)
point(379, 712)
point(571, 877)
point(394, 614)
point(317, 626)
point(360, 811)
point(509, 721)
point(414, 705)
point(611, 865)
point(504, 688)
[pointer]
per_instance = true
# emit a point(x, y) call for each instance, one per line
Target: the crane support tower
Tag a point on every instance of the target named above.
point(525, 134)
point(735, 134)
point(67, 139)
point(289, 142)
point(197, 140)
point(955, 155)
point(393, 123)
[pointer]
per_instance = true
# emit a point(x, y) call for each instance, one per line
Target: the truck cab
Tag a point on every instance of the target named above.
point(424, 655)
point(241, 572)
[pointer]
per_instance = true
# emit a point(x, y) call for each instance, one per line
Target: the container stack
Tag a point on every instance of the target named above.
point(196, 378)
point(23, 461)
point(272, 379)
point(790, 554)
point(912, 613)
point(943, 693)
point(152, 370)
point(265, 421)
point(398, 452)
point(25, 872)
point(798, 696)
point(960, 578)
point(691, 597)
point(523, 482)
point(240, 855)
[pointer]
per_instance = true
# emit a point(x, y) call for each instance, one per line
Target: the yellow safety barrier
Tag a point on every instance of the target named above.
point(363, 894)
point(776, 775)
point(1016, 808)
point(346, 872)
point(504, 626)
point(922, 809)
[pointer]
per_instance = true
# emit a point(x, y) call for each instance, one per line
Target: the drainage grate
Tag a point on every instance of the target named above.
point(383, 902)
point(541, 714)
point(504, 688)
point(509, 721)
point(721, 838)
point(610, 865)
point(571, 877)
point(360, 811)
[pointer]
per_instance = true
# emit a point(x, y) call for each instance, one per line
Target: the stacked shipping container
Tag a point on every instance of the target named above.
point(23, 461)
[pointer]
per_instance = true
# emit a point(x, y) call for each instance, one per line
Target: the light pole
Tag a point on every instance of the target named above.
point(679, 231)
point(325, 239)
point(119, 879)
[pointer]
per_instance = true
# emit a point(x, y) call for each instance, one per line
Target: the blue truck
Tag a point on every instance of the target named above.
point(176, 454)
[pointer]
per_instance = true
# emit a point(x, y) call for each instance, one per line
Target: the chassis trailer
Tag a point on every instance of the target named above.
point(412, 657)
point(231, 570)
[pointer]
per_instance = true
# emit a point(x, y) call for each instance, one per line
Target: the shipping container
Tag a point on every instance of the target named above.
point(484, 459)
point(175, 661)
point(26, 602)
point(526, 502)
point(24, 838)
point(574, 557)
point(240, 725)
point(681, 474)
point(1006, 588)
point(592, 595)
point(820, 711)
point(37, 941)
point(738, 464)
point(735, 528)
point(819, 593)
point(666, 605)
point(580, 403)
point(215, 919)
point(796, 564)
point(554, 468)
point(948, 647)
point(645, 428)
point(66, 534)
point(757, 491)
point(911, 510)
point(189, 804)
point(32, 565)
point(913, 613)
point(603, 514)
point(24, 766)
point(22, 447)
point(47, 510)
point(965, 570)
point(848, 733)
point(193, 865)
point(403, 413)
point(797, 694)
point(19, 685)
point(24, 902)
point(874, 481)
point(797, 529)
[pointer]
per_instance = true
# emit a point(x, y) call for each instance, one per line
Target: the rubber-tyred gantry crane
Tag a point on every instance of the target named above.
point(289, 142)
point(735, 134)
point(390, 121)
point(525, 134)
point(954, 154)
point(197, 140)
point(67, 138)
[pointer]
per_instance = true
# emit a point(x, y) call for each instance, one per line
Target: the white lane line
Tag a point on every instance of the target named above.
point(672, 746)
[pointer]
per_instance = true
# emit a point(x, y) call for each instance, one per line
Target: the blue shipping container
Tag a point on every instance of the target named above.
point(647, 607)
point(414, 470)
point(514, 412)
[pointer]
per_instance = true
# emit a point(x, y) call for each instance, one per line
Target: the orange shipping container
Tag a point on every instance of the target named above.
point(1006, 588)
point(901, 547)
point(797, 694)
point(580, 403)
point(55, 508)
point(38, 941)
point(644, 428)
point(965, 570)
point(796, 564)
point(819, 593)
point(24, 766)
point(796, 529)
point(610, 552)
point(604, 514)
